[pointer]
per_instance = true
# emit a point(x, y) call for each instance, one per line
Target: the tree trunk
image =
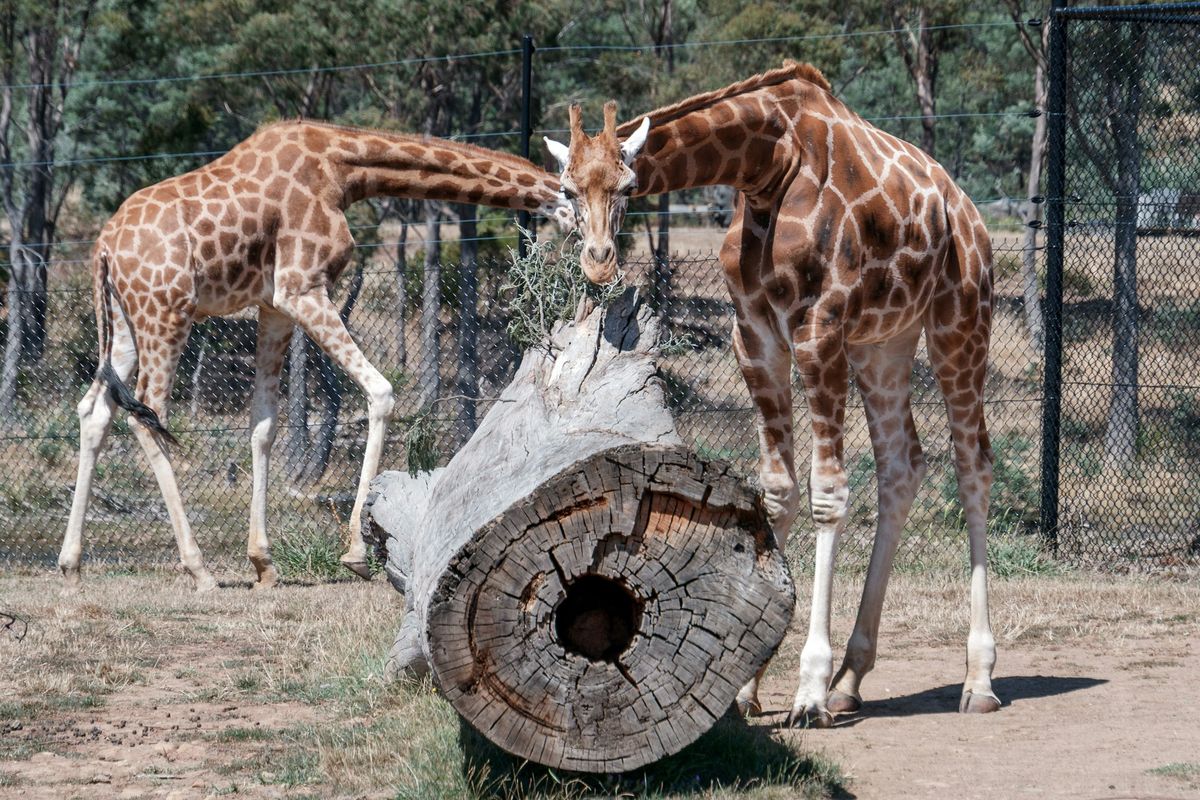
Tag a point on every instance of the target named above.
point(428, 373)
point(1125, 91)
point(1029, 278)
point(920, 54)
point(11, 368)
point(296, 442)
point(660, 291)
point(468, 323)
point(402, 296)
point(592, 597)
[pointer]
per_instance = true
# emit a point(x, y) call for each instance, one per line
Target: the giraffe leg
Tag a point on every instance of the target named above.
point(95, 420)
point(767, 367)
point(822, 363)
point(959, 357)
point(315, 312)
point(883, 373)
point(274, 333)
point(158, 358)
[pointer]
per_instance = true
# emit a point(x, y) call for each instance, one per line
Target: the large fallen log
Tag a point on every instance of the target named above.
point(588, 593)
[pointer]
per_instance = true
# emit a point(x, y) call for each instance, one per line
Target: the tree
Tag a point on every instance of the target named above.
point(921, 40)
point(40, 43)
point(1037, 155)
point(1107, 135)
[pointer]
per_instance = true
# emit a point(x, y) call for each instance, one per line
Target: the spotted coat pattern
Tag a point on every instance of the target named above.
point(264, 226)
point(847, 244)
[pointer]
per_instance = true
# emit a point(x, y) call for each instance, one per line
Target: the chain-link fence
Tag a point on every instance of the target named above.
point(1125, 284)
point(442, 389)
point(1111, 483)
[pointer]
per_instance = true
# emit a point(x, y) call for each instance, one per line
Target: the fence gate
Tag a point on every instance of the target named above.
point(1121, 415)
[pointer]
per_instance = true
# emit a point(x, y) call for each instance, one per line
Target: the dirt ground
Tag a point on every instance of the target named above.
point(139, 688)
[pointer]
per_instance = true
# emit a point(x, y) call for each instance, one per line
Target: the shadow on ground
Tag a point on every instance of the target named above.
point(733, 755)
point(944, 699)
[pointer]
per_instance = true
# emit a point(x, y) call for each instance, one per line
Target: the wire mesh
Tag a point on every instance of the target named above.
point(1130, 420)
point(447, 368)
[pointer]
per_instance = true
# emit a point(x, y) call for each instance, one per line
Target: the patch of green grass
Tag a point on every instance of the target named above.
point(1019, 555)
point(9, 779)
point(246, 735)
point(309, 555)
point(731, 758)
point(247, 682)
point(1186, 771)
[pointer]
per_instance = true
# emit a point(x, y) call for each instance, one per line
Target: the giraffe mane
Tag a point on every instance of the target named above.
point(791, 70)
point(398, 136)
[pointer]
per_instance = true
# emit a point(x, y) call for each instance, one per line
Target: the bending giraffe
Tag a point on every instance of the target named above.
point(846, 244)
point(262, 226)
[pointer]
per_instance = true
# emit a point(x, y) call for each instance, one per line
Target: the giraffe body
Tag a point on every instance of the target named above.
point(847, 244)
point(263, 226)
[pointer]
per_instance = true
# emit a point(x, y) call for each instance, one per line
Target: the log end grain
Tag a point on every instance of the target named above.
point(608, 619)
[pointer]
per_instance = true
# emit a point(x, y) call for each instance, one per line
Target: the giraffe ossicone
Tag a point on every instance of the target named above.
point(261, 226)
point(847, 245)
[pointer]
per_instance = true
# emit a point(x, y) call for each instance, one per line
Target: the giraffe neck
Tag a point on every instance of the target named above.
point(373, 164)
point(743, 141)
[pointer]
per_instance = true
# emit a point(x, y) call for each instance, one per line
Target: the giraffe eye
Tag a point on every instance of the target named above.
point(567, 193)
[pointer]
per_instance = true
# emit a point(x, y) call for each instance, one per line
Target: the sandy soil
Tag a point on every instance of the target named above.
point(142, 689)
point(1083, 720)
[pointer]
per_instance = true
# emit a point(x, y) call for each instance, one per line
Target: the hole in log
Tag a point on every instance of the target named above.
point(597, 618)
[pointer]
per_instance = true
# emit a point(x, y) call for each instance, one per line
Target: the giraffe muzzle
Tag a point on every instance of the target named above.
point(599, 264)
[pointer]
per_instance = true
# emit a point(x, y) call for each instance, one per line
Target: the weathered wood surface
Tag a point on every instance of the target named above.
point(587, 592)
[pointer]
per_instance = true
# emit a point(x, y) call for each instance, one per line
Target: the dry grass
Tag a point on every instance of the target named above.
point(303, 667)
point(931, 609)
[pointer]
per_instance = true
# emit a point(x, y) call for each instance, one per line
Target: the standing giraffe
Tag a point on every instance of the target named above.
point(847, 242)
point(262, 226)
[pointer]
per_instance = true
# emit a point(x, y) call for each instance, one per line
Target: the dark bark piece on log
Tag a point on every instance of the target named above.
point(588, 593)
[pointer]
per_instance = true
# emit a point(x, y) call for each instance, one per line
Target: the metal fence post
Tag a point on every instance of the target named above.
point(526, 131)
point(1055, 229)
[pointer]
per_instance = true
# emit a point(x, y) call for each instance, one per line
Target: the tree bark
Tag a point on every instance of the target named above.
point(920, 54)
point(467, 387)
point(1125, 99)
point(402, 296)
point(428, 373)
point(1031, 291)
point(585, 590)
point(296, 442)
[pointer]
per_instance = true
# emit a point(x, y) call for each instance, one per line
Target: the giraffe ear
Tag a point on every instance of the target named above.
point(636, 141)
point(561, 153)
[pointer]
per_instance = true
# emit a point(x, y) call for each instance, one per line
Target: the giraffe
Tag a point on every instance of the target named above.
point(847, 244)
point(261, 226)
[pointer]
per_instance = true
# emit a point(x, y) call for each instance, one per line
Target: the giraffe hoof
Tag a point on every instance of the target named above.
point(809, 718)
point(747, 706)
point(978, 703)
point(844, 703)
point(72, 582)
point(359, 568)
point(266, 581)
point(205, 582)
point(268, 576)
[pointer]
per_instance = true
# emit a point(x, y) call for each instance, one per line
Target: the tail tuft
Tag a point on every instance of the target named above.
point(124, 398)
point(117, 389)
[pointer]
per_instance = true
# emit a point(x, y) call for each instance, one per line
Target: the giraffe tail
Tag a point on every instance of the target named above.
point(117, 390)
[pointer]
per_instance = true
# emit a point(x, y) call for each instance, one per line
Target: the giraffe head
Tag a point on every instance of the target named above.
point(597, 177)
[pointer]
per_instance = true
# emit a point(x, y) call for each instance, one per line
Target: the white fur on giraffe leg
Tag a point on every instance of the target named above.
point(978, 702)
